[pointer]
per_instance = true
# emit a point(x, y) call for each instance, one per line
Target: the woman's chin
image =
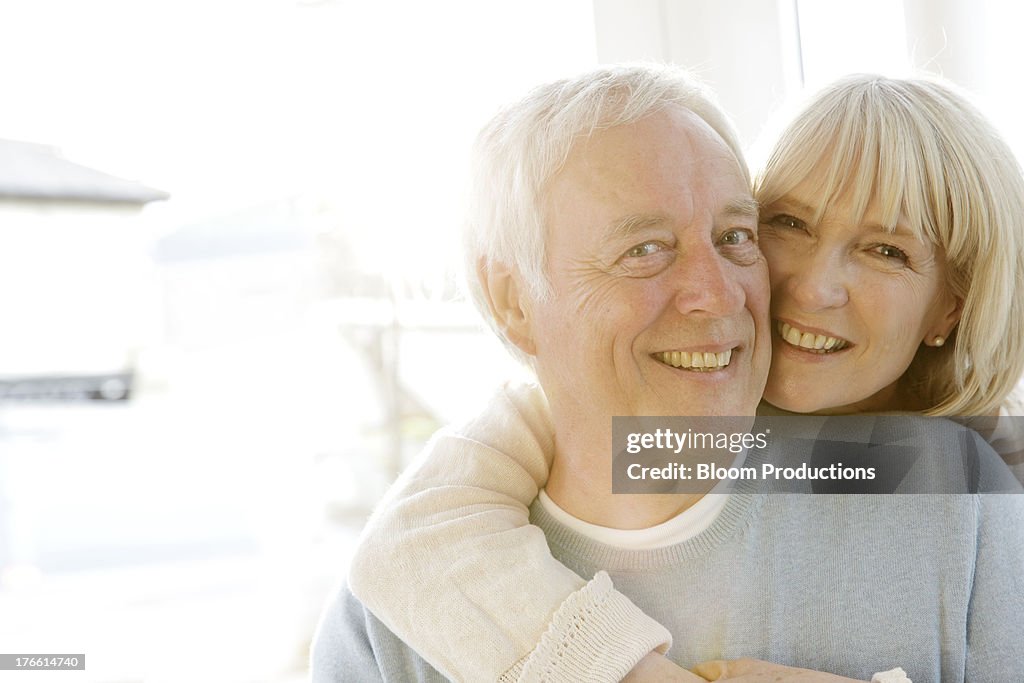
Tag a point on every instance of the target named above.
point(799, 402)
point(836, 398)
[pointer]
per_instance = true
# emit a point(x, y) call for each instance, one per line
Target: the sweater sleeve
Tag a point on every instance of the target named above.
point(450, 563)
point(995, 627)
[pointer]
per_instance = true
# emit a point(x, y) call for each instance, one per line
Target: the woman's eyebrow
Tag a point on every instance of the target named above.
point(794, 205)
point(900, 229)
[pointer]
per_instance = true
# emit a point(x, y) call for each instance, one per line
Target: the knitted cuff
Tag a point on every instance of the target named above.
point(598, 635)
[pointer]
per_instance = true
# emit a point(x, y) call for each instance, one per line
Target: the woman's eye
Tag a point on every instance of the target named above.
point(891, 252)
point(784, 220)
point(645, 249)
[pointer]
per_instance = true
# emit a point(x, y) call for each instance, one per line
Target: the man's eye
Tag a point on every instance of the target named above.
point(784, 220)
point(890, 252)
point(737, 236)
point(645, 249)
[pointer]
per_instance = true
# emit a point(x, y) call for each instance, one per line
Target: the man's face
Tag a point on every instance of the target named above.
point(660, 293)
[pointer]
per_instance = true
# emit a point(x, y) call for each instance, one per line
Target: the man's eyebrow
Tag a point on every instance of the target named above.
point(742, 208)
point(627, 226)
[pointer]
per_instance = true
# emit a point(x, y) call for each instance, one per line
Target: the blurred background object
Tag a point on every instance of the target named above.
point(204, 388)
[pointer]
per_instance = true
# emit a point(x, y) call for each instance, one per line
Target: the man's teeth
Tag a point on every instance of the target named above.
point(696, 360)
point(809, 341)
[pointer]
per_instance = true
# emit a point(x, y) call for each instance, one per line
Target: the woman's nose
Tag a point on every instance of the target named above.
point(817, 281)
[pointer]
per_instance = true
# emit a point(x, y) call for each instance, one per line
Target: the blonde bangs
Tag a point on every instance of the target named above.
point(855, 145)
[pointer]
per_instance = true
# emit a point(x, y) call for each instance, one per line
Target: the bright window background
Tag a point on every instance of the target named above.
point(290, 311)
point(872, 39)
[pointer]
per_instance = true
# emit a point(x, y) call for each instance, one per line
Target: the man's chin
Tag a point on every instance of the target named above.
point(711, 408)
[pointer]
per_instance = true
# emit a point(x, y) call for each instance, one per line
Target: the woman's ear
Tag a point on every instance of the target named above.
point(510, 307)
point(949, 317)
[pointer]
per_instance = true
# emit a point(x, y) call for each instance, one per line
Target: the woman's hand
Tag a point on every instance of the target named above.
point(757, 671)
point(657, 668)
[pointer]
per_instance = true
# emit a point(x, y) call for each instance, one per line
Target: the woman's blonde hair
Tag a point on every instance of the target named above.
point(927, 155)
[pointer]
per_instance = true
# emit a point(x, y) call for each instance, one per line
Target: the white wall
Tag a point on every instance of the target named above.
point(757, 53)
point(976, 44)
point(746, 50)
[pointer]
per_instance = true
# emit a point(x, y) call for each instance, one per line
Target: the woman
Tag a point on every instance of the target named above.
point(906, 266)
point(892, 224)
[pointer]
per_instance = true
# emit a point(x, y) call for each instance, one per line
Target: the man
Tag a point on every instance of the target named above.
point(615, 231)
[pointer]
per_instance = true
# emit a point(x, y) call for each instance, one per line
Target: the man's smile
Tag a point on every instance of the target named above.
point(700, 361)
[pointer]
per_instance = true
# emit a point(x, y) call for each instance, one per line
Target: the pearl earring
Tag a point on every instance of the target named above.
point(938, 341)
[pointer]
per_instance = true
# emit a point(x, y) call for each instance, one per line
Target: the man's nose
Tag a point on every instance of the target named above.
point(706, 283)
point(817, 280)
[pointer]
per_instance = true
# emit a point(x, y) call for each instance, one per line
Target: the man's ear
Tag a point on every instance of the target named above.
point(509, 304)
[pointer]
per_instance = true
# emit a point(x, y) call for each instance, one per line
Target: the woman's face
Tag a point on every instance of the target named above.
point(851, 305)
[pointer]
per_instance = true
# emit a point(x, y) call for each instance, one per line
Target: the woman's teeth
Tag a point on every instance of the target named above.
point(812, 342)
point(696, 360)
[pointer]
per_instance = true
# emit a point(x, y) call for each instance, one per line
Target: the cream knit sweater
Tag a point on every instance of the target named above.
point(462, 498)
